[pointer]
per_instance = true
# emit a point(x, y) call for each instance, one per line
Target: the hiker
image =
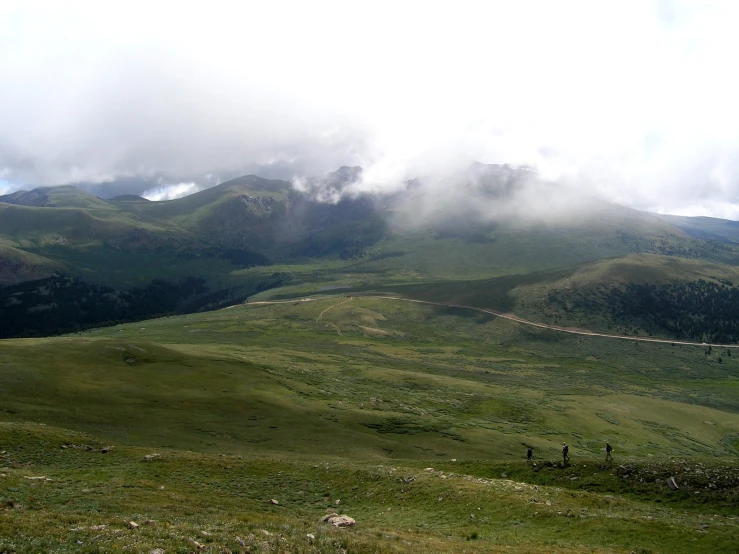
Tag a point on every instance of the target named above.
point(565, 453)
point(529, 455)
point(608, 452)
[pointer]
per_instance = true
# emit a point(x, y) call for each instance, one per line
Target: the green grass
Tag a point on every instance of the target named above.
point(451, 381)
point(351, 399)
point(59, 492)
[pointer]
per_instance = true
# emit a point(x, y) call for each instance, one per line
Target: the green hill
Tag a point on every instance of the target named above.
point(17, 266)
point(56, 197)
point(709, 228)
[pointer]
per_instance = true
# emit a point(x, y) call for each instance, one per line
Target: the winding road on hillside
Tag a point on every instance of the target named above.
point(510, 317)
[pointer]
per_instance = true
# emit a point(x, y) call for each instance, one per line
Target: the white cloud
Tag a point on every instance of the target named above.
point(170, 192)
point(634, 99)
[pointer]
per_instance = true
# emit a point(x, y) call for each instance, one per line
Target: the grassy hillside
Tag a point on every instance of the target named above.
point(412, 419)
point(56, 197)
point(373, 377)
point(641, 294)
point(17, 266)
point(710, 228)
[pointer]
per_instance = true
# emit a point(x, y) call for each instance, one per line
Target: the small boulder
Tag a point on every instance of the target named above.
point(274, 502)
point(672, 483)
point(150, 457)
point(157, 551)
point(338, 520)
point(106, 449)
point(133, 525)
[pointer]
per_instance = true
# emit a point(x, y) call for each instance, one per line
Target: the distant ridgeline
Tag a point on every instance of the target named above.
point(60, 304)
point(475, 243)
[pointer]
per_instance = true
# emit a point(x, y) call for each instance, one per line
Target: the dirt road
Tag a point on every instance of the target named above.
point(510, 317)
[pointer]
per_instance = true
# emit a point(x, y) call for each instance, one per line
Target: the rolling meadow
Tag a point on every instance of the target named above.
point(237, 430)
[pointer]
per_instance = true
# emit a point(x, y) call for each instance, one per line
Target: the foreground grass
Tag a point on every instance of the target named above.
point(60, 493)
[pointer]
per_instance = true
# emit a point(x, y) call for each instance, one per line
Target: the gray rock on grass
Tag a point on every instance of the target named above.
point(338, 520)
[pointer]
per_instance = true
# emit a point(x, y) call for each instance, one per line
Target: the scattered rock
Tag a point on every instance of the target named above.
point(311, 536)
point(39, 478)
point(197, 545)
point(205, 533)
point(503, 476)
point(106, 449)
point(337, 502)
point(157, 551)
point(429, 469)
point(241, 541)
point(338, 520)
point(130, 360)
point(266, 533)
point(133, 525)
point(273, 501)
point(150, 457)
point(672, 483)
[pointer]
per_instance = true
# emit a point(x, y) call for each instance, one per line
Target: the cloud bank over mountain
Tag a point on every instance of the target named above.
point(631, 100)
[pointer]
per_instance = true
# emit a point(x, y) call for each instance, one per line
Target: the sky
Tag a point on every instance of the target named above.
point(635, 101)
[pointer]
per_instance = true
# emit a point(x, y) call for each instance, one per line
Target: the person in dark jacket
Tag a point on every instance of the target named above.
point(529, 455)
point(608, 452)
point(565, 453)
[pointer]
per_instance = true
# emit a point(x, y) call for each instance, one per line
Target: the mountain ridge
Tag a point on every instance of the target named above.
point(252, 235)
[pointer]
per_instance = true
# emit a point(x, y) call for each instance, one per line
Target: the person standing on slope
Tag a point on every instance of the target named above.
point(529, 455)
point(565, 453)
point(608, 452)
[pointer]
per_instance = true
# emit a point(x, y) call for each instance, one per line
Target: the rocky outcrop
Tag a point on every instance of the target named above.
point(338, 520)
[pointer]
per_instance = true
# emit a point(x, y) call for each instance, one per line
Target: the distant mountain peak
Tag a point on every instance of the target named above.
point(63, 196)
